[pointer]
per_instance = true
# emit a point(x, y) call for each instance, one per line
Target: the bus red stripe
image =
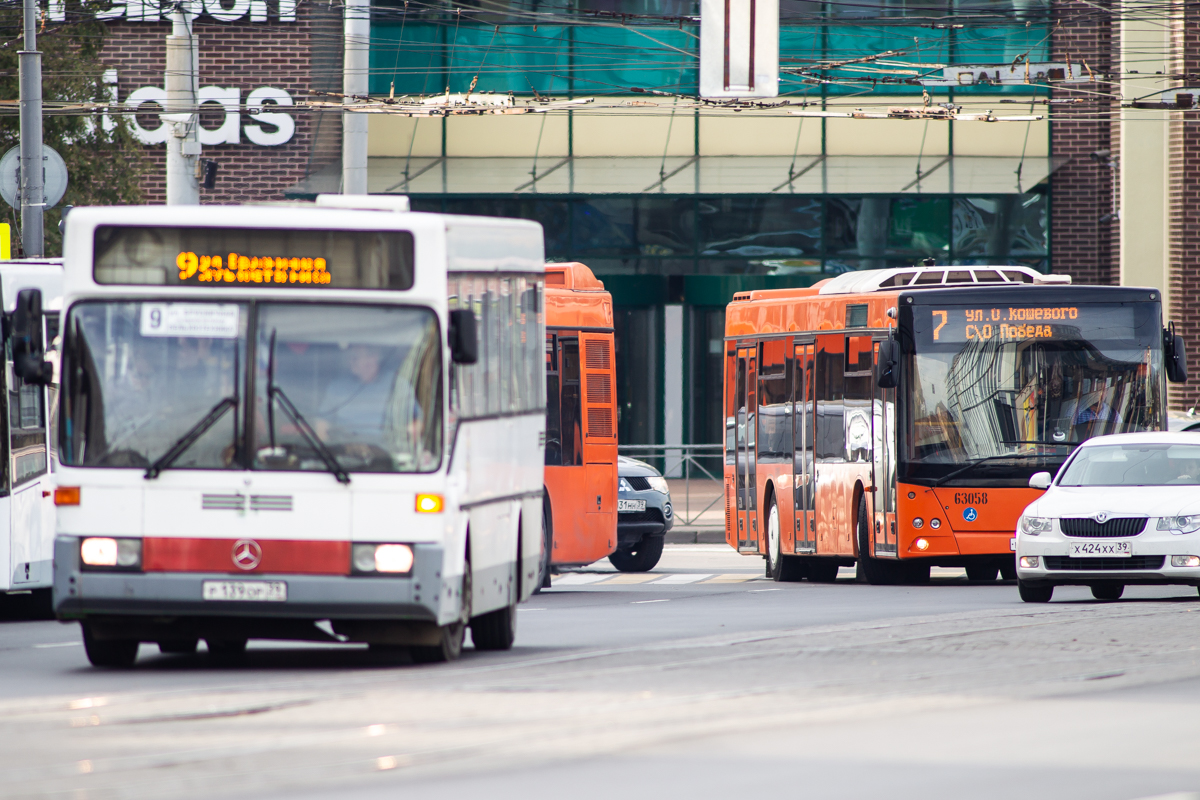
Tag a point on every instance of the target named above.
point(216, 555)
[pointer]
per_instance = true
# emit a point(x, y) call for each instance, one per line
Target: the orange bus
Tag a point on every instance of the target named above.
point(892, 418)
point(580, 502)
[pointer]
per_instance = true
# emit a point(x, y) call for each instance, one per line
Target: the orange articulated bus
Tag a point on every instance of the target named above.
point(581, 419)
point(893, 417)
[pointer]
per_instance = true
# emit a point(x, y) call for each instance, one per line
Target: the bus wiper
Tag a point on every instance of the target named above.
point(275, 393)
point(979, 461)
point(190, 437)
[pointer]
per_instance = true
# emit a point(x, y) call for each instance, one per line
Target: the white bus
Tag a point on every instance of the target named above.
point(289, 422)
point(26, 485)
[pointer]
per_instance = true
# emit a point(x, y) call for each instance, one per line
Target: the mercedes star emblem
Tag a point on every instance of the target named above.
point(246, 554)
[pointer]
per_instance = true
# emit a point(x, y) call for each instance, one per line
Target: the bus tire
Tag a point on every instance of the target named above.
point(1109, 590)
point(178, 646)
point(1034, 593)
point(495, 630)
point(642, 557)
point(780, 567)
point(109, 652)
point(823, 570)
point(873, 570)
point(543, 578)
point(982, 572)
point(450, 637)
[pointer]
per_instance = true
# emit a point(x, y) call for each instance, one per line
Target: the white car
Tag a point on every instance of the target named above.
point(1124, 509)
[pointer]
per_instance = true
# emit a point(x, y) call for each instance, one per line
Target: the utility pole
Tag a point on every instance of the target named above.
point(355, 83)
point(33, 195)
point(183, 86)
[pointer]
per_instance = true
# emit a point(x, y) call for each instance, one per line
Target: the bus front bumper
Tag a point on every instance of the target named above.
point(176, 597)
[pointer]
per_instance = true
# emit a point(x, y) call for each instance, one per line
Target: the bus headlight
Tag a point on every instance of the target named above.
point(101, 551)
point(1036, 525)
point(392, 559)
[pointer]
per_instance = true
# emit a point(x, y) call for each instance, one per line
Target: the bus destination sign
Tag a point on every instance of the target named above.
point(236, 268)
point(957, 325)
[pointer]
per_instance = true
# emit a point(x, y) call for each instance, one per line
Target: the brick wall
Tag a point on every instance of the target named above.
point(1081, 244)
point(1184, 189)
point(298, 57)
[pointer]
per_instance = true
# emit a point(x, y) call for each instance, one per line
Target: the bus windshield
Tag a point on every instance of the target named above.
point(360, 384)
point(1026, 382)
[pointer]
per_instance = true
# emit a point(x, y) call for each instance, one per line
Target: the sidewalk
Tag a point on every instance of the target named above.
point(699, 511)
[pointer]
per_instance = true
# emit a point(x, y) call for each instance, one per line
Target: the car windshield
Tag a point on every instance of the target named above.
point(139, 377)
point(983, 384)
point(1134, 465)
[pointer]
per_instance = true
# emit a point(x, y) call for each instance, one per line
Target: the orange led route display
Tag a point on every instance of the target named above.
point(236, 268)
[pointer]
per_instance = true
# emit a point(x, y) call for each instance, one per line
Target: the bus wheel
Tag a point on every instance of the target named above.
point(873, 570)
point(642, 557)
point(449, 646)
point(543, 578)
point(982, 572)
point(180, 646)
point(495, 630)
point(1108, 590)
point(1033, 593)
point(109, 652)
point(779, 566)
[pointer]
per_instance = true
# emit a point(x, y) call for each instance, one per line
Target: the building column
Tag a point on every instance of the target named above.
point(673, 388)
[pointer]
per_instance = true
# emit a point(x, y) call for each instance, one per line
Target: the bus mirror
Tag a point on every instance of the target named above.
point(28, 344)
point(1175, 355)
point(464, 337)
point(885, 369)
point(1040, 480)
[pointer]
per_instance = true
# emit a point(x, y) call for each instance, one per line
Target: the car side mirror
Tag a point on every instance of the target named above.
point(1040, 480)
point(28, 343)
point(886, 367)
point(464, 336)
point(1175, 355)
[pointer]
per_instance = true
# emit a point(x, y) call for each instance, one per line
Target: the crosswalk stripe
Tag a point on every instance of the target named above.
point(732, 578)
point(683, 577)
point(578, 579)
point(643, 577)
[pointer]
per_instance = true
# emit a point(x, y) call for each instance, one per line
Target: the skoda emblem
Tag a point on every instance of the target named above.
point(1102, 517)
point(246, 554)
point(970, 514)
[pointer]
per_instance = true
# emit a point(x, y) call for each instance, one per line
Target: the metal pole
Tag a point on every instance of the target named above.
point(182, 80)
point(33, 195)
point(355, 83)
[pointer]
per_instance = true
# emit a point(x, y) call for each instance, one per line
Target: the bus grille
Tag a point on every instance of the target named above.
point(222, 502)
point(270, 502)
point(596, 354)
point(1104, 564)
point(599, 388)
point(1086, 526)
point(600, 422)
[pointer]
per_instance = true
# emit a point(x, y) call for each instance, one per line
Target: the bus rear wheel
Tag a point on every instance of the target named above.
point(642, 557)
point(822, 570)
point(109, 652)
point(543, 578)
point(875, 571)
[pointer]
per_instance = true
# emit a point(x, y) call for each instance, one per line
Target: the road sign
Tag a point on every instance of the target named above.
point(55, 179)
point(739, 48)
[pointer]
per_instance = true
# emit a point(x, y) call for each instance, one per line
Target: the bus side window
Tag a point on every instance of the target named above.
point(553, 423)
point(858, 392)
point(27, 427)
point(831, 430)
point(774, 422)
point(571, 407)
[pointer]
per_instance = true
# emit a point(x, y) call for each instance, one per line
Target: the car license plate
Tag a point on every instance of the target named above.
point(631, 505)
point(246, 591)
point(1101, 549)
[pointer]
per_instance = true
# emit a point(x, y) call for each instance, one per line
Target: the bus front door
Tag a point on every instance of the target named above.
point(883, 434)
point(804, 531)
point(747, 423)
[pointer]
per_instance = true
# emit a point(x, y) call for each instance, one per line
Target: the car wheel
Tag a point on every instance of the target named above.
point(1035, 593)
point(109, 652)
point(642, 557)
point(875, 571)
point(982, 572)
point(1108, 590)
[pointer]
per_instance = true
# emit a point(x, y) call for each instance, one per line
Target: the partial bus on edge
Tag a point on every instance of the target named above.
point(581, 418)
point(298, 423)
point(893, 418)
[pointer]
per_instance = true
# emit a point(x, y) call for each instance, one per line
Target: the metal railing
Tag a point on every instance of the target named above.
point(679, 462)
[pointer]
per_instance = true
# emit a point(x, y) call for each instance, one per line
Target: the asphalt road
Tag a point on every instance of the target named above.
point(700, 681)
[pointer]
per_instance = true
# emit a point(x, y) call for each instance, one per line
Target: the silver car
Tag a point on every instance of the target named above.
point(644, 515)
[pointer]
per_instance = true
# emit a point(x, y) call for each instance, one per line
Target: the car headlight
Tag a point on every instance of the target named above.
point(623, 485)
point(1188, 524)
point(1036, 525)
point(659, 485)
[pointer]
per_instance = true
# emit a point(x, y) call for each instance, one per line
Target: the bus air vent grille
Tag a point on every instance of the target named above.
point(600, 422)
point(222, 502)
point(270, 502)
point(599, 388)
point(597, 354)
point(1118, 526)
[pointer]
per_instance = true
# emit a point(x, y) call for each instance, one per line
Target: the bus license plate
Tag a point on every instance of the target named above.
point(1101, 549)
point(246, 591)
point(631, 505)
